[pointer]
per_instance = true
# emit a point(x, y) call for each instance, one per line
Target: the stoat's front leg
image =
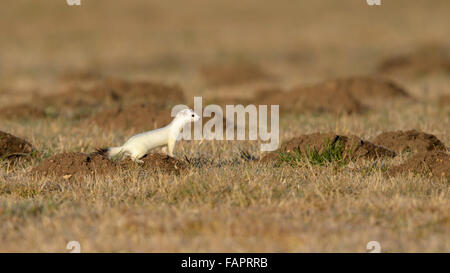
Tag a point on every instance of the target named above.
point(171, 145)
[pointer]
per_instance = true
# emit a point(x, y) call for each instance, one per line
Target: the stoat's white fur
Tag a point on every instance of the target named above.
point(139, 145)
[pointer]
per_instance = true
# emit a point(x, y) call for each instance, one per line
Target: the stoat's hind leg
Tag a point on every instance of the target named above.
point(136, 157)
point(137, 160)
point(164, 149)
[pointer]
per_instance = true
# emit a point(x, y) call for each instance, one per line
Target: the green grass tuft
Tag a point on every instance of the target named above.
point(332, 153)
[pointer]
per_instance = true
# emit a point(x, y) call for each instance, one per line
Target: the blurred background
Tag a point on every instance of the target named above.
point(294, 42)
point(76, 78)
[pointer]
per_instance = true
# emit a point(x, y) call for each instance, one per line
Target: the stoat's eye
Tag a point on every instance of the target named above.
point(192, 115)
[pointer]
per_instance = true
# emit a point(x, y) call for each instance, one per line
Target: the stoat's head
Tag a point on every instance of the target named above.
point(187, 115)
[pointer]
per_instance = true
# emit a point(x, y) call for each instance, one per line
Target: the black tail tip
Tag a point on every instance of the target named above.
point(101, 151)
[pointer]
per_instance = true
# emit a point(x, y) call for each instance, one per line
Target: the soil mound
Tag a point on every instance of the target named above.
point(345, 95)
point(412, 140)
point(78, 165)
point(81, 75)
point(74, 165)
point(12, 147)
point(22, 111)
point(156, 162)
point(365, 89)
point(352, 147)
point(73, 99)
point(311, 99)
point(139, 117)
point(426, 60)
point(233, 73)
point(78, 101)
point(434, 164)
point(444, 100)
point(128, 92)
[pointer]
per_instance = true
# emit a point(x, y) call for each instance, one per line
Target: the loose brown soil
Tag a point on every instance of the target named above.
point(139, 117)
point(444, 100)
point(74, 165)
point(354, 147)
point(156, 162)
point(311, 99)
point(79, 165)
point(345, 95)
point(233, 73)
point(22, 111)
point(366, 88)
point(426, 60)
point(434, 164)
point(12, 147)
point(412, 140)
point(128, 92)
point(81, 75)
point(78, 101)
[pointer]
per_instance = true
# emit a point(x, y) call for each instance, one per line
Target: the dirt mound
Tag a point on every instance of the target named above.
point(444, 100)
point(156, 162)
point(22, 111)
point(365, 89)
point(78, 165)
point(434, 163)
point(12, 147)
point(233, 73)
point(68, 165)
point(412, 140)
point(79, 101)
point(73, 99)
point(351, 147)
point(129, 92)
point(313, 99)
point(81, 75)
point(139, 117)
point(426, 60)
point(346, 95)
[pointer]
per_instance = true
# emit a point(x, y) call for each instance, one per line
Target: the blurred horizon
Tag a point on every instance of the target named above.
point(41, 38)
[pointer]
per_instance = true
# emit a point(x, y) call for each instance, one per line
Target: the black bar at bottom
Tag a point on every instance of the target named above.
point(226, 262)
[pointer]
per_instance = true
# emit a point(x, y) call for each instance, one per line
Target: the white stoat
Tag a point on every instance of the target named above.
point(138, 145)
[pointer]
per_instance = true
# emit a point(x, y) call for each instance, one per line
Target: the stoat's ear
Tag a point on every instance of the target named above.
point(184, 112)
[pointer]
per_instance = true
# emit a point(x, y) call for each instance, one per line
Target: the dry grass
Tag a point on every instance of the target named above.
point(238, 206)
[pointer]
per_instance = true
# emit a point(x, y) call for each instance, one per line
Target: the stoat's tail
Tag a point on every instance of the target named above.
point(109, 152)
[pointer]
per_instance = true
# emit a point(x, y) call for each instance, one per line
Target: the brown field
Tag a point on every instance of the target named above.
point(73, 79)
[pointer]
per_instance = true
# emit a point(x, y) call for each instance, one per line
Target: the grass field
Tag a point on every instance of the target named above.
point(229, 204)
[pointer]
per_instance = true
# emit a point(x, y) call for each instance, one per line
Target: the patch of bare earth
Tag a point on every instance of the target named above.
point(354, 148)
point(345, 95)
point(366, 89)
point(430, 163)
point(74, 165)
point(81, 75)
point(423, 61)
point(311, 99)
point(78, 165)
point(12, 147)
point(156, 162)
point(130, 92)
point(77, 101)
point(139, 117)
point(233, 73)
point(444, 100)
point(22, 111)
point(412, 140)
